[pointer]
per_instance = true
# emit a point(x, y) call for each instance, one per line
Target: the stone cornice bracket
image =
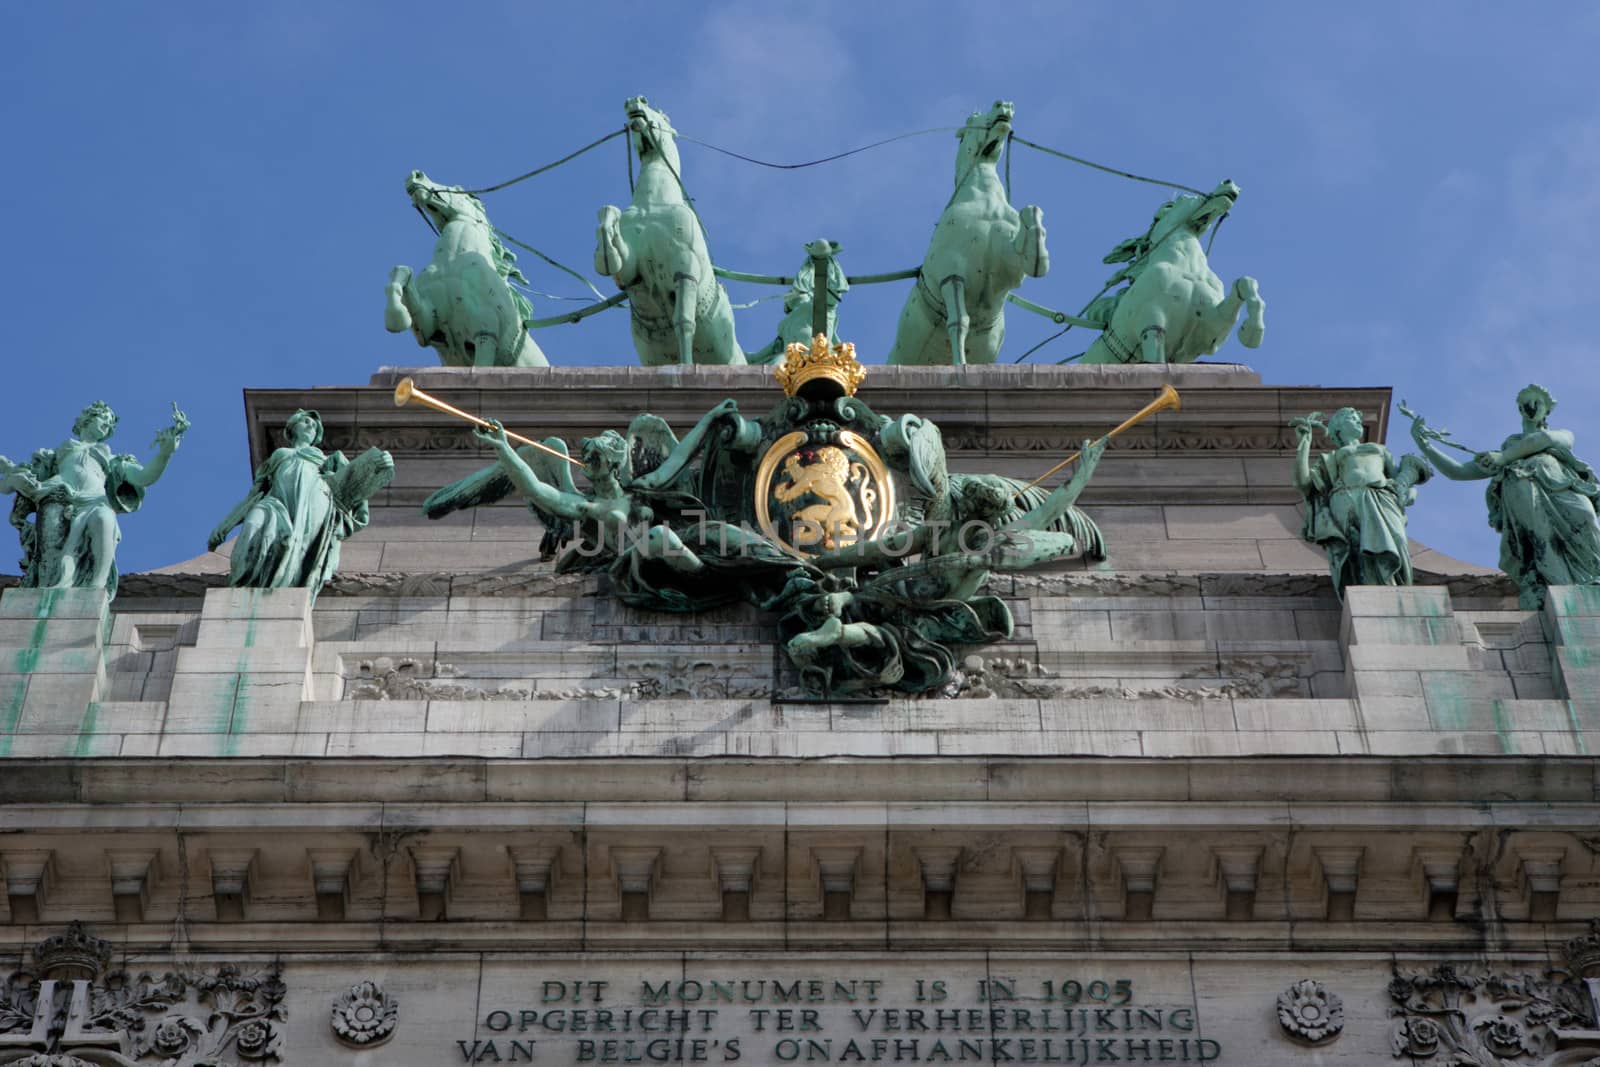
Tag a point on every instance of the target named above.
point(1037, 870)
point(1237, 870)
point(1341, 871)
point(437, 870)
point(1140, 868)
point(636, 869)
point(333, 872)
point(134, 873)
point(736, 869)
point(836, 877)
point(232, 872)
point(537, 869)
point(938, 865)
point(73, 956)
point(28, 875)
point(1438, 869)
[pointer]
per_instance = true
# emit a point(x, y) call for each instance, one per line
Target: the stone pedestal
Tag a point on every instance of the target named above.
point(1572, 622)
point(52, 660)
point(250, 666)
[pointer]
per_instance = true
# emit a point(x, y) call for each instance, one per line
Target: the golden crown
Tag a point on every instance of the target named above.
point(837, 363)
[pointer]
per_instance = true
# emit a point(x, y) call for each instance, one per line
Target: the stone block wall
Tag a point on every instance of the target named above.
point(1114, 666)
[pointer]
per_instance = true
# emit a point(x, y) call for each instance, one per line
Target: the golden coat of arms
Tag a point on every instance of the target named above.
point(812, 496)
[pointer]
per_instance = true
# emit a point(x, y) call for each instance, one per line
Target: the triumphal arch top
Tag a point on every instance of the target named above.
point(781, 705)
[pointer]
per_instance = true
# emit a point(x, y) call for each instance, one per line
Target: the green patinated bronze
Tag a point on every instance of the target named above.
point(675, 525)
point(68, 499)
point(1541, 497)
point(1173, 307)
point(303, 504)
point(656, 252)
point(462, 304)
point(1356, 500)
point(981, 249)
point(800, 321)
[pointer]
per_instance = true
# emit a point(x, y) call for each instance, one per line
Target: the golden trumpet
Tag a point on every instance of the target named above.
point(1167, 398)
point(407, 391)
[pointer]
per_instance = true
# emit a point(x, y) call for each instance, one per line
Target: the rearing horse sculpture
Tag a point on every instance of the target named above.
point(462, 303)
point(981, 249)
point(656, 252)
point(1175, 310)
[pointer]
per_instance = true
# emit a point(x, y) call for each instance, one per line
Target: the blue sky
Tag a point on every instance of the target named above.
point(210, 195)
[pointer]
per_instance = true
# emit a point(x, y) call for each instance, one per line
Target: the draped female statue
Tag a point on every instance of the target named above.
point(303, 503)
point(1541, 498)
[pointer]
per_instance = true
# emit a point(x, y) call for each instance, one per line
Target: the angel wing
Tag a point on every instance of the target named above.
point(650, 442)
point(491, 485)
point(921, 443)
point(1023, 500)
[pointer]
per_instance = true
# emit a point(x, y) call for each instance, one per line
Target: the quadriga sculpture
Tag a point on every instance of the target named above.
point(303, 504)
point(656, 252)
point(462, 304)
point(1175, 310)
point(1541, 498)
point(69, 497)
point(982, 248)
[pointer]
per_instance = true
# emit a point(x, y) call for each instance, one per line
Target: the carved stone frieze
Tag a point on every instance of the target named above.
point(63, 1012)
point(364, 1016)
point(1475, 1015)
point(1310, 1011)
point(988, 677)
point(652, 678)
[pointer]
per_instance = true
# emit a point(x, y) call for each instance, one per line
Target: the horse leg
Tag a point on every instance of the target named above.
point(1254, 328)
point(485, 349)
point(954, 291)
point(1029, 243)
point(396, 319)
point(685, 299)
point(611, 251)
point(1153, 344)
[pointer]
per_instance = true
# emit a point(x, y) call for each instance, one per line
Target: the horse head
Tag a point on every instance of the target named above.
point(443, 203)
point(651, 133)
point(1192, 215)
point(983, 138)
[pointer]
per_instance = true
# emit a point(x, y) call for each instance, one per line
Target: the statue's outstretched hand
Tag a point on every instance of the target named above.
point(167, 440)
point(1092, 451)
point(493, 432)
point(219, 535)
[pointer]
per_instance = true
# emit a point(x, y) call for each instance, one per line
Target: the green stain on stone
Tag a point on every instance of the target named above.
point(1502, 727)
point(10, 713)
point(88, 728)
point(239, 704)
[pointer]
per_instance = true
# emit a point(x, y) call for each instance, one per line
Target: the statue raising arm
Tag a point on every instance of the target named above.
point(1047, 514)
point(532, 488)
point(1429, 440)
point(166, 443)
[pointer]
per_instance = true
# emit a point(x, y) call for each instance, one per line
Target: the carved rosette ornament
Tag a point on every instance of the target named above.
point(364, 1016)
point(1311, 1012)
